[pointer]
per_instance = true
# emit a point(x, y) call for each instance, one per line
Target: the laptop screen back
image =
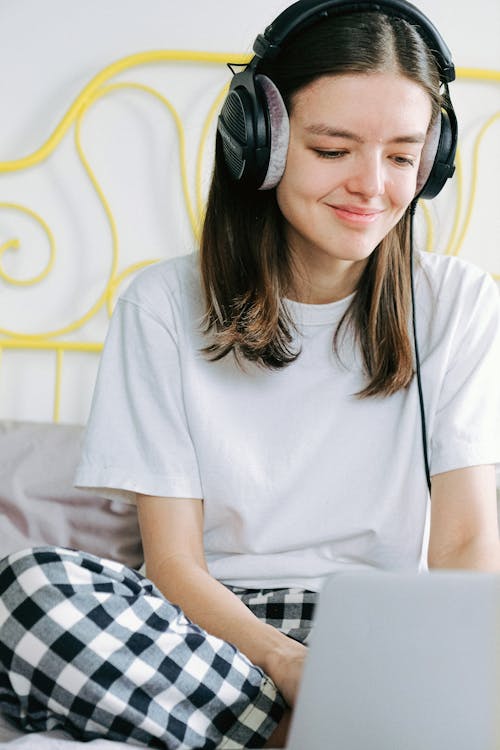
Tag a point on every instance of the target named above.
point(402, 662)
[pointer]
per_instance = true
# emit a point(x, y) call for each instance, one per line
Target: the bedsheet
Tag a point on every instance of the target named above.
point(13, 739)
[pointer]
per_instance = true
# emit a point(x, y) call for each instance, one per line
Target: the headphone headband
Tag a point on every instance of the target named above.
point(306, 12)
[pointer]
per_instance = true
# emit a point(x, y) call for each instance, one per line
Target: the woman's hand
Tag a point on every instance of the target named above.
point(285, 665)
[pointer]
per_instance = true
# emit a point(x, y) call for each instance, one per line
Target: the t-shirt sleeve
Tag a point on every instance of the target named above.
point(466, 429)
point(137, 438)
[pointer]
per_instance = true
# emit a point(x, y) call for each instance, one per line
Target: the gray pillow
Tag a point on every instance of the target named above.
point(39, 505)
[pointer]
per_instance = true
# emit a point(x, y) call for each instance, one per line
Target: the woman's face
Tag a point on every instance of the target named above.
point(352, 163)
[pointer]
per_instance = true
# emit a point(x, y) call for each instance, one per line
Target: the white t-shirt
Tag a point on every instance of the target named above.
point(300, 478)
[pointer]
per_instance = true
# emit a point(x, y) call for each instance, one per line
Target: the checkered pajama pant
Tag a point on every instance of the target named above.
point(92, 647)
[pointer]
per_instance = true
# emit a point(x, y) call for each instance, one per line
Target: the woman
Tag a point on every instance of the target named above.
point(258, 401)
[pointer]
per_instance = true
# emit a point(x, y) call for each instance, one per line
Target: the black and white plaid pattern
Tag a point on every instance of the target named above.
point(288, 610)
point(92, 647)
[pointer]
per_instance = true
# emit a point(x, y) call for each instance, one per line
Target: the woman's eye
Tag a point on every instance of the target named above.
point(336, 154)
point(404, 160)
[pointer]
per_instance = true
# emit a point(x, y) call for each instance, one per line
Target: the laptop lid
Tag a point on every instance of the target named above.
point(402, 662)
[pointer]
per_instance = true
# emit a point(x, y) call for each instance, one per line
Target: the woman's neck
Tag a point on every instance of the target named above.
point(331, 282)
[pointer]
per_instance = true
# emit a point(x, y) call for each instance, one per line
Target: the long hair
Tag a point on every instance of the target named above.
point(246, 266)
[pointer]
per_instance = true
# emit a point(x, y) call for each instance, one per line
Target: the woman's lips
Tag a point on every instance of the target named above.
point(356, 214)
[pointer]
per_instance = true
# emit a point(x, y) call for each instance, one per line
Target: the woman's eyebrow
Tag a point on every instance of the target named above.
point(322, 129)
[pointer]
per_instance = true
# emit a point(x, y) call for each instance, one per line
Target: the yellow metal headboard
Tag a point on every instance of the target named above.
point(61, 339)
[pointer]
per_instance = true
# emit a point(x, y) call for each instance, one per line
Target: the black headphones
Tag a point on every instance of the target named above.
point(253, 123)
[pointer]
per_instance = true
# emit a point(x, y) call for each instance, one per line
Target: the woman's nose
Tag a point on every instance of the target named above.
point(368, 177)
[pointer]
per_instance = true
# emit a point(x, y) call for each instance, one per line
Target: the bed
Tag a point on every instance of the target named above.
point(54, 307)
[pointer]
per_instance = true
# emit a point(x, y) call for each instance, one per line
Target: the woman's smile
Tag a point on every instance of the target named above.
point(356, 214)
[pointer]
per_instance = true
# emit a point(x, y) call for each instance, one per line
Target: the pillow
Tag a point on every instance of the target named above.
point(39, 505)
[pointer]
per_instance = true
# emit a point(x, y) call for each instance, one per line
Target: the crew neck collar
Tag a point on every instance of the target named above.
point(307, 314)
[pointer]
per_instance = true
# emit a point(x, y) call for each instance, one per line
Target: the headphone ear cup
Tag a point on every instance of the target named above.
point(255, 131)
point(279, 126)
point(235, 126)
point(244, 127)
point(437, 159)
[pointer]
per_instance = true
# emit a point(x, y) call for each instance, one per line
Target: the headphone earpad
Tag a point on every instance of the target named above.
point(428, 154)
point(279, 125)
point(438, 155)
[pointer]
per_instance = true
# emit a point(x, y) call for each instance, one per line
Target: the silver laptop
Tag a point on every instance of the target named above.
point(402, 662)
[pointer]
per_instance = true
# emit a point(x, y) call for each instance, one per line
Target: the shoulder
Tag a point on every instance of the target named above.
point(447, 281)
point(457, 308)
point(450, 269)
point(169, 285)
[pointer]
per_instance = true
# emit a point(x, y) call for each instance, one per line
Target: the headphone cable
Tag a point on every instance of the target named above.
point(413, 207)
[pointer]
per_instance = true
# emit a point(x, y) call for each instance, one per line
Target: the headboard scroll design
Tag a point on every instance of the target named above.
point(67, 337)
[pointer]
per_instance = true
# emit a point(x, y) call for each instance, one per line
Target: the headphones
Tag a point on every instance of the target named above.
point(254, 125)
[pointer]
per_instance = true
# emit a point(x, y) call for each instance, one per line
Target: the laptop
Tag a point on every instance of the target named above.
point(402, 662)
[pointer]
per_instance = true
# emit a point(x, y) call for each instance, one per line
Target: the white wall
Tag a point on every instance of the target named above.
point(50, 50)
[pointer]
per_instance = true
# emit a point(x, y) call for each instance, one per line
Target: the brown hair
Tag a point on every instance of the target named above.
point(245, 264)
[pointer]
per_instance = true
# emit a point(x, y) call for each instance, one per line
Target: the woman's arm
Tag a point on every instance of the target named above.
point(172, 536)
point(464, 524)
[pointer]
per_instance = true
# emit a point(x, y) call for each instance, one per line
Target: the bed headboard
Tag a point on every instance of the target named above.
point(121, 181)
